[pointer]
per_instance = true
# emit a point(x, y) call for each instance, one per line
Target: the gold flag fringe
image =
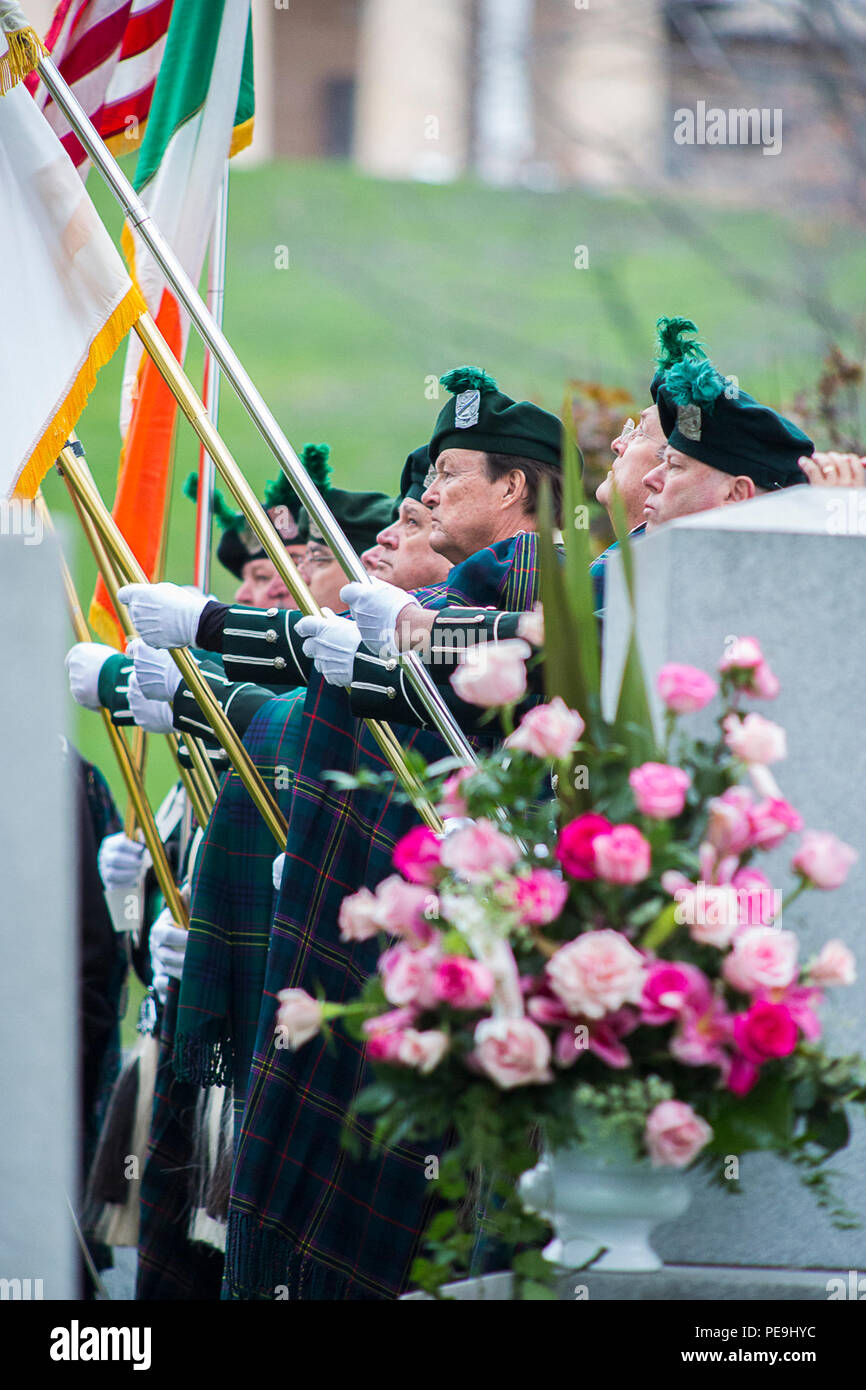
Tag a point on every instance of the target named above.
point(103, 347)
point(25, 50)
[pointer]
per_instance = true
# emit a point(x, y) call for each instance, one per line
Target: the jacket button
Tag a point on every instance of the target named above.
point(270, 635)
point(390, 663)
point(279, 662)
point(392, 694)
point(271, 612)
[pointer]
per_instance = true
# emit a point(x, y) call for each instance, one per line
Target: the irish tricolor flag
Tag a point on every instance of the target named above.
point(202, 112)
point(67, 298)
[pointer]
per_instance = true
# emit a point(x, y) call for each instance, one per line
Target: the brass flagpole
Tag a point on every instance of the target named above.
point(201, 788)
point(128, 770)
point(126, 564)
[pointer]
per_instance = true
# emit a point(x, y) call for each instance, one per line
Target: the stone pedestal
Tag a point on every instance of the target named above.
point(789, 570)
point(39, 974)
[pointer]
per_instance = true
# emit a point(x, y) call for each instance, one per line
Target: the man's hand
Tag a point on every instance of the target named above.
point(165, 615)
point(834, 470)
point(332, 644)
point(155, 671)
point(121, 860)
point(379, 610)
point(167, 950)
point(154, 716)
point(84, 662)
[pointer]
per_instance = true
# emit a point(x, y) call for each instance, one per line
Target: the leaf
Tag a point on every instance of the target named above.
point(531, 1264)
point(441, 1225)
point(536, 1293)
point(376, 1098)
point(763, 1119)
point(663, 927)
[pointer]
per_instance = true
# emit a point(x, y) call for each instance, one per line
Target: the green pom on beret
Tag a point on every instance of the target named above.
point(467, 379)
point(671, 346)
point(694, 382)
point(279, 492)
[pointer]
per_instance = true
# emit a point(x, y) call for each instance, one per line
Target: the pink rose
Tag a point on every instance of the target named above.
point(396, 1020)
point(670, 988)
point(423, 1051)
point(835, 965)
point(385, 1047)
point(575, 844)
point(548, 731)
point(478, 852)
point(597, 973)
point(685, 689)
point(729, 829)
point(358, 917)
point(462, 983)
point(401, 909)
point(759, 902)
point(765, 683)
point(709, 910)
point(451, 803)
point(761, 958)
point(823, 859)
point(766, 1031)
point(771, 820)
point(407, 975)
point(755, 739)
point(512, 1052)
point(299, 1017)
point(674, 1134)
point(701, 1036)
point(530, 626)
point(742, 1076)
point(744, 654)
point(540, 896)
point(622, 856)
point(416, 855)
point(493, 674)
point(659, 790)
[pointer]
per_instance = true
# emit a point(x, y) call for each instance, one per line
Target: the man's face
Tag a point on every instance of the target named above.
point(638, 450)
point(324, 575)
point(465, 506)
point(681, 485)
point(276, 594)
point(402, 554)
point(257, 579)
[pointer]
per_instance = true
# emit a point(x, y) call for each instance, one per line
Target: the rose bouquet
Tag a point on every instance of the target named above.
point(593, 949)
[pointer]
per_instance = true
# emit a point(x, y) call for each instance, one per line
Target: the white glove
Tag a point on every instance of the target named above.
point(84, 662)
point(165, 615)
point(152, 715)
point(279, 865)
point(375, 606)
point(332, 643)
point(167, 950)
point(155, 672)
point(121, 860)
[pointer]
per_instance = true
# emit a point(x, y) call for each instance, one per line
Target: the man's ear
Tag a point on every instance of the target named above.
point(515, 488)
point(742, 488)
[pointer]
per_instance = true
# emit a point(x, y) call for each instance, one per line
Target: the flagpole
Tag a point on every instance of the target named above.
point(126, 564)
point(201, 794)
point(128, 770)
point(216, 283)
point(232, 368)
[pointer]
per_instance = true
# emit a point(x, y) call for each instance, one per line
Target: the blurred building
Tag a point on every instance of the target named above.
point(548, 93)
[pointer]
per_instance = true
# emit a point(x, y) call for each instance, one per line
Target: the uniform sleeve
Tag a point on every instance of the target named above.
point(260, 644)
point(239, 701)
point(113, 689)
point(457, 630)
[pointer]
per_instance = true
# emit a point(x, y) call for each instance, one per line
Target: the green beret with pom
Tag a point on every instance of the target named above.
point(708, 417)
point(361, 515)
point(672, 346)
point(480, 416)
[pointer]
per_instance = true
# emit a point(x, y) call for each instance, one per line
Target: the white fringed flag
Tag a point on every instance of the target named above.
point(67, 299)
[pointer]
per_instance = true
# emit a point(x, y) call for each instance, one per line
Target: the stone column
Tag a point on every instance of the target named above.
point(40, 971)
point(412, 103)
point(504, 139)
point(786, 569)
point(601, 78)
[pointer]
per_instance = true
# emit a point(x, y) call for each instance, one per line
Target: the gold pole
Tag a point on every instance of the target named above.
point(202, 792)
point(127, 565)
point(139, 757)
point(196, 413)
point(128, 770)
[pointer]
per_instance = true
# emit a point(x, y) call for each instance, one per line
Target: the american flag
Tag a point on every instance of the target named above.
point(109, 52)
